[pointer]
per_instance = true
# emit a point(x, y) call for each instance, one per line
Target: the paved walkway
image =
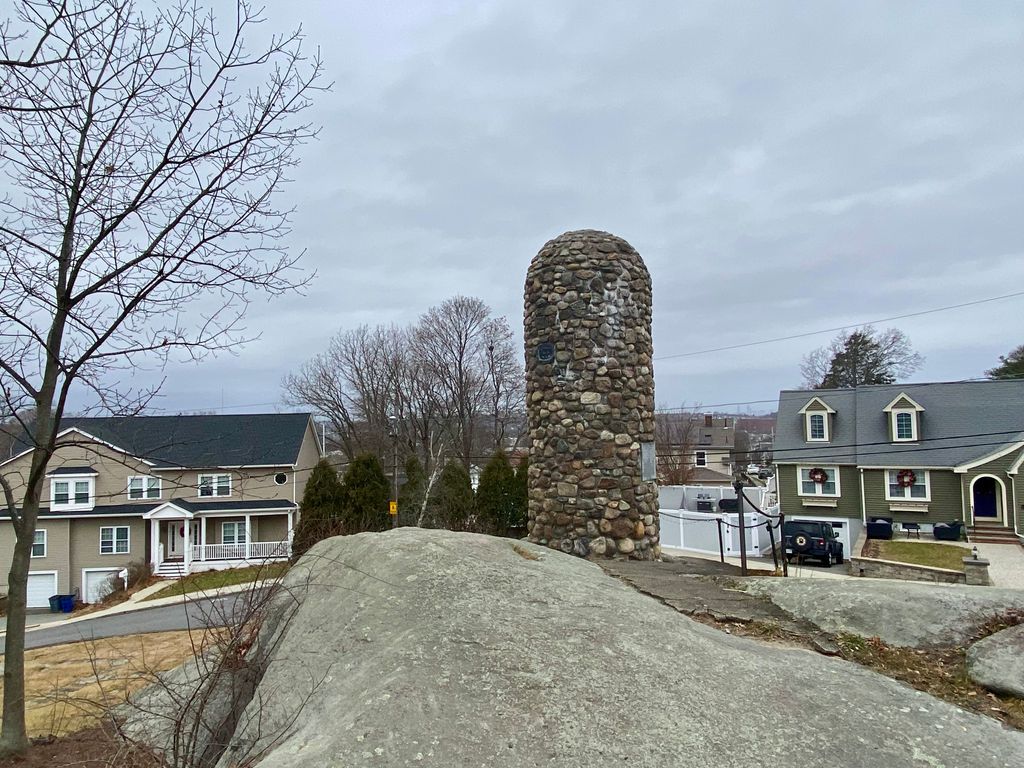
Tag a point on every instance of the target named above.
point(1006, 564)
point(806, 571)
point(137, 602)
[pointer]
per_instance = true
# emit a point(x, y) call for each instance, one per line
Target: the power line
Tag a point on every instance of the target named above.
point(841, 327)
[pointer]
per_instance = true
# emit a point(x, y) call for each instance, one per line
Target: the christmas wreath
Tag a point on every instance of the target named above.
point(906, 478)
point(818, 475)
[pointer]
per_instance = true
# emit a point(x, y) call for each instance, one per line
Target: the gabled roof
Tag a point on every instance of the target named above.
point(808, 406)
point(903, 401)
point(962, 421)
point(237, 440)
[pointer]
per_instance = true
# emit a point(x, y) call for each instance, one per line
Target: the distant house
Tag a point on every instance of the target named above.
point(695, 448)
point(184, 493)
point(911, 453)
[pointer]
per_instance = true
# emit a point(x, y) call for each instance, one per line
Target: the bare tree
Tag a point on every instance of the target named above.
point(453, 380)
point(142, 163)
point(676, 440)
point(860, 357)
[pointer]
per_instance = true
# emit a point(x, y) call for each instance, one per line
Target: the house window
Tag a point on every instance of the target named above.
point(215, 485)
point(904, 425)
point(72, 493)
point(817, 426)
point(39, 544)
point(114, 540)
point(701, 459)
point(808, 487)
point(232, 533)
point(896, 491)
point(143, 487)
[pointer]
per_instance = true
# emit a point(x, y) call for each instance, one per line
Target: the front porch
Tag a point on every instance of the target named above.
point(185, 540)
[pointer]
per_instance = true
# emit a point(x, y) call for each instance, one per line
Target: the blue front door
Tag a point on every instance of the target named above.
point(985, 501)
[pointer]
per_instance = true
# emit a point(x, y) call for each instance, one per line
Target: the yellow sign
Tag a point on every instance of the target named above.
point(393, 507)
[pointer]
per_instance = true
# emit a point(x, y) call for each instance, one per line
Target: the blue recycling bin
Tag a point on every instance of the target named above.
point(67, 603)
point(54, 603)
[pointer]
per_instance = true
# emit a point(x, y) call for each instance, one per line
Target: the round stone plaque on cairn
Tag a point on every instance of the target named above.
point(590, 398)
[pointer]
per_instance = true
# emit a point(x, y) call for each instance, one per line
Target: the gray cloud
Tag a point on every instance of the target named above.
point(781, 167)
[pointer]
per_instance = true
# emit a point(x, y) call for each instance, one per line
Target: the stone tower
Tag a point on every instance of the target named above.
point(590, 398)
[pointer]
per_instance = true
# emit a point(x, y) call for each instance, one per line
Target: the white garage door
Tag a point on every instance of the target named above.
point(40, 587)
point(94, 584)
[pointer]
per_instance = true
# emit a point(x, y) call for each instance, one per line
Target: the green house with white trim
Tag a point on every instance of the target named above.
point(911, 453)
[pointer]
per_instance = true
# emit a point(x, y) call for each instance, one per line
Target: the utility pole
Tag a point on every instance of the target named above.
point(738, 486)
point(394, 472)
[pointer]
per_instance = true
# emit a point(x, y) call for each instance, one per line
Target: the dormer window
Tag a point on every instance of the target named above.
point(817, 420)
point(904, 419)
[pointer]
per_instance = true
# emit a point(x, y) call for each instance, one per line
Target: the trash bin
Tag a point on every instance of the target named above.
point(67, 603)
point(54, 603)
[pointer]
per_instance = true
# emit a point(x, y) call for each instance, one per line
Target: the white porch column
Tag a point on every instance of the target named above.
point(248, 536)
point(291, 532)
point(202, 538)
point(154, 543)
point(188, 544)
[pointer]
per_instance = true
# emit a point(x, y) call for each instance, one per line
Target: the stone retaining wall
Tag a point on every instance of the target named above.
point(889, 569)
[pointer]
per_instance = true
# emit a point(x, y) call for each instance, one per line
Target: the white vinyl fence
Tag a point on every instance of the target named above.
point(698, 531)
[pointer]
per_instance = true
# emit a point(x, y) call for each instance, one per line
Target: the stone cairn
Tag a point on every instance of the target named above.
point(590, 398)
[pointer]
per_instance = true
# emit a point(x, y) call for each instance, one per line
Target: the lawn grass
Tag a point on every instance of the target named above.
point(72, 687)
point(922, 553)
point(208, 580)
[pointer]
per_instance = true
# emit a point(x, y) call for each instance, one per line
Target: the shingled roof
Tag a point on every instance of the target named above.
point(254, 439)
point(962, 421)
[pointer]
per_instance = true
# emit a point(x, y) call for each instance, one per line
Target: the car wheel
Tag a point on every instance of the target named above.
point(839, 557)
point(827, 559)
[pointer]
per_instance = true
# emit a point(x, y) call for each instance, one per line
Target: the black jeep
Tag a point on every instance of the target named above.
point(810, 538)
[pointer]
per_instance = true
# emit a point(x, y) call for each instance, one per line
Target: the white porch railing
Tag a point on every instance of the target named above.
point(252, 550)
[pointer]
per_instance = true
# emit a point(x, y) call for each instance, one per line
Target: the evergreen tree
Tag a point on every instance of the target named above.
point(321, 510)
point(521, 498)
point(410, 495)
point(496, 496)
point(861, 357)
point(1010, 366)
point(451, 500)
point(367, 493)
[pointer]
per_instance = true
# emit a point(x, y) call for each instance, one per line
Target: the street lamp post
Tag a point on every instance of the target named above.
point(394, 469)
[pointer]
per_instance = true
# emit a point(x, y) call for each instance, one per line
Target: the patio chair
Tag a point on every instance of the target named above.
point(951, 531)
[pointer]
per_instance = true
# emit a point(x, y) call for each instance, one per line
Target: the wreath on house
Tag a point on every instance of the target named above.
point(906, 478)
point(818, 476)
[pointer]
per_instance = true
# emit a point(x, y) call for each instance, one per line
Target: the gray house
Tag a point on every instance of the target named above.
point(184, 493)
point(912, 453)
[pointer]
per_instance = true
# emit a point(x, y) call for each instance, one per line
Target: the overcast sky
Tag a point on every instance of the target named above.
point(781, 167)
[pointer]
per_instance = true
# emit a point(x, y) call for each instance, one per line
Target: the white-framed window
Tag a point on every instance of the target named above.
point(904, 426)
point(143, 487)
point(115, 540)
point(232, 533)
point(215, 484)
point(808, 487)
point(39, 543)
point(72, 493)
point(817, 426)
point(920, 490)
point(700, 459)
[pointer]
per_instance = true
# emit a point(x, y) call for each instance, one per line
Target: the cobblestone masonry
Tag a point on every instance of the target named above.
point(590, 398)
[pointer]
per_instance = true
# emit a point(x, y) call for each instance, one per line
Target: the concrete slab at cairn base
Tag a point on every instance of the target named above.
point(898, 612)
point(422, 647)
point(590, 398)
point(997, 662)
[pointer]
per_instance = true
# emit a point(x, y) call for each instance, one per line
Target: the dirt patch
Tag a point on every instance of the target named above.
point(93, 748)
point(70, 687)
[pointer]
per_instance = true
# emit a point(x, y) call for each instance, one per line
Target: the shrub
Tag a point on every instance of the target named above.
point(496, 496)
point(410, 495)
point(321, 510)
point(451, 500)
point(366, 495)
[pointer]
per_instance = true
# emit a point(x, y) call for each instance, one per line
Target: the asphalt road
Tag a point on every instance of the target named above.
point(215, 611)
